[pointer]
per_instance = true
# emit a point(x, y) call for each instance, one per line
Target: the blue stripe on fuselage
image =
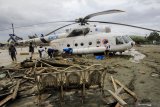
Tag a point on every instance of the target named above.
point(52, 37)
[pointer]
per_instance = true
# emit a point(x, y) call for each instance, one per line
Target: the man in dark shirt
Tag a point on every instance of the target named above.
point(50, 52)
point(13, 52)
point(31, 50)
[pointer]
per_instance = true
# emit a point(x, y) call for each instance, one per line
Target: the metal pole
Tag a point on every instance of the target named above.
point(13, 28)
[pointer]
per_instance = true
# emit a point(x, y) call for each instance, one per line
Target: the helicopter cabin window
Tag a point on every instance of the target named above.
point(125, 39)
point(98, 41)
point(105, 41)
point(78, 32)
point(90, 43)
point(76, 44)
point(68, 45)
point(119, 40)
point(82, 44)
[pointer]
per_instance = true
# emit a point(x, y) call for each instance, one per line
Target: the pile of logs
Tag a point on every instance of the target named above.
point(33, 80)
point(36, 78)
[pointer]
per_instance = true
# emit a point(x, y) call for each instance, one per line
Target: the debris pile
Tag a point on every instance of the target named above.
point(45, 77)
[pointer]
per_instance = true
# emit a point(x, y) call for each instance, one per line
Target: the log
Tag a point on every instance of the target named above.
point(9, 97)
point(16, 90)
point(10, 75)
point(114, 84)
point(118, 105)
point(119, 99)
point(29, 71)
point(46, 64)
point(40, 71)
point(111, 100)
point(12, 96)
point(126, 89)
point(56, 63)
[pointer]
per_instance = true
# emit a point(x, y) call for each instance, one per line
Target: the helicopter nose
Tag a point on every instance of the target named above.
point(132, 44)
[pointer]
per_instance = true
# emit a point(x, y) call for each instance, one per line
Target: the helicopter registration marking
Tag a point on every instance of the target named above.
point(52, 37)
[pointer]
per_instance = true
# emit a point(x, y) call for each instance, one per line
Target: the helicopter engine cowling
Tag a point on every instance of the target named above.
point(101, 29)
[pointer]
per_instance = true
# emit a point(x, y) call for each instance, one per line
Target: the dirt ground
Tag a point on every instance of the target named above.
point(143, 78)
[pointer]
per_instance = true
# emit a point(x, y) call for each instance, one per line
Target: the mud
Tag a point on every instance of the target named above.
point(138, 75)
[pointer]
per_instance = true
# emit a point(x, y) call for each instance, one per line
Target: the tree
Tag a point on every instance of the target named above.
point(154, 36)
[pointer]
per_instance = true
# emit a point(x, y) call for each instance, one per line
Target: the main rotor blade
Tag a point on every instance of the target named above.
point(32, 25)
point(126, 25)
point(103, 12)
point(59, 28)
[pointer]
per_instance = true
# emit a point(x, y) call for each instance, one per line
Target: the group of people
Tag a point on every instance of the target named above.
point(41, 50)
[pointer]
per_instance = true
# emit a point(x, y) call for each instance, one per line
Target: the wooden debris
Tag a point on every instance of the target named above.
point(16, 90)
point(9, 97)
point(126, 89)
point(111, 100)
point(12, 96)
point(118, 105)
point(119, 99)
point(10, 75)
point(46, 63)
point(57, 64)
point(29, 71)
point(117, 94)
point(114, 85)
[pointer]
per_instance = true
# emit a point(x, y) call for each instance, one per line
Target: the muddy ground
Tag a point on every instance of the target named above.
point(143, 78)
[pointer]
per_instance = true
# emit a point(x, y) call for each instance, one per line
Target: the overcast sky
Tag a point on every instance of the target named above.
point(145, 13)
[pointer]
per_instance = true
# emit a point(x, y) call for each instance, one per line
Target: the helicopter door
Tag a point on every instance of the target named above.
point(98, 43)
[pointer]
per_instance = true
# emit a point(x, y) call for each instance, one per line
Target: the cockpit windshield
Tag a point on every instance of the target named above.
point(78, 32)
point(119, 40)
point(125, 38)
point(129, 38)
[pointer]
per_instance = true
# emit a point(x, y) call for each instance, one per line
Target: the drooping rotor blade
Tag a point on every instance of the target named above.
point(42, 23)
point(59, 28)
point(103, 12)
point(126, 25)
point(31, 25)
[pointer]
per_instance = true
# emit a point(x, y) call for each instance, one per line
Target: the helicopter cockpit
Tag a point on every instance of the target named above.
point(78, 32)
point(123, 39)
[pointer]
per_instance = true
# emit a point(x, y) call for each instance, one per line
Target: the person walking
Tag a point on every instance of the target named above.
point(31, 50)
point(41, 51)
point(13, 52)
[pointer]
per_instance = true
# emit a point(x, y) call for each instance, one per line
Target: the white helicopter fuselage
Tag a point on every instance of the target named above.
point(91, 44)
point(86, 40)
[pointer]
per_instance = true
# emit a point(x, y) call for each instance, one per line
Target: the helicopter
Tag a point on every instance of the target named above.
point(88, 38)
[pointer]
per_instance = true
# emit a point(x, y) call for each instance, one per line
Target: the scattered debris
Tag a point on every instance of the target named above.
point(58, 75)
point(117, 95)
point(155, 74)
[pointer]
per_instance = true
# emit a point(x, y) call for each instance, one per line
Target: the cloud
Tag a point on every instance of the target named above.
point(26, 12)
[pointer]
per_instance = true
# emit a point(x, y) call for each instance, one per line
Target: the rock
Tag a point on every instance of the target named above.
point(2, 75)
point(111, 71)
point(154, 74)
point(142, 72)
